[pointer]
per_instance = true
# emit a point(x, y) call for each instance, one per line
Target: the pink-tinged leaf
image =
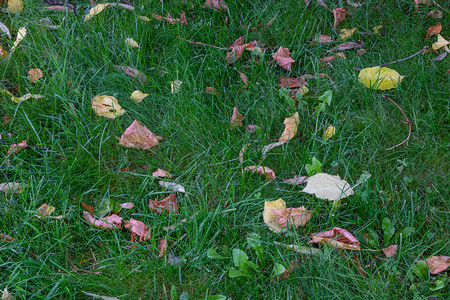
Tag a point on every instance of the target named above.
point(138, 136)
point(330, 58)
point(264, 171)
point(183, 18)
point(110, 222)
point(296, 180)
point(291, 83)
point(339, 15)
point(162, 247)
point(235, 54)
point(59, 8)
point(390, 251)
point(216, 4)
point(169, 204)
point(212, 91)
point(125, 6)
point(16, 148)
point(172, 186)
point(127, 205)
point(162, 173)
point(170, 19)
point(244, 80)
point(138, 228)
point(354, 4)
point(337, 237)
point(347, 46)
point(236, 119)
point(270, 147)
point(34, 75)
point(174, 261)
point(133, 73)
point(283, 58)
point(322, 39)
point(438, 263)
point(437, 14)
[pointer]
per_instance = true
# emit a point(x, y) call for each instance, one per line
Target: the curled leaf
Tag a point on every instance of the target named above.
point(329, 133)
point(109, 222)
point(133, 73)
point(379, 78)
point(138, 96)
point(131, 43)
point(283, 58)
point(441, 42)
point(162, 173)
point(5, 29)
point(107, 106)
point(290, 128)
point(347, 46)
point(138, 136)
point(265, 171)
point(278, 217)
point(339, 15)
point(296, 180)
point(169, 204)
point(162, 247)
point(138, 228)
point(337, 237)
point(20, 36)
point(432, 30)
point(236, 119)
point(328, 187)
point(95, 11)
point(172, 186)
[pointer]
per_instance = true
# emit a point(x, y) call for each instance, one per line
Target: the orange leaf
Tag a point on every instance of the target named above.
point(34, 75)
point(212, 91)
point(436, 29)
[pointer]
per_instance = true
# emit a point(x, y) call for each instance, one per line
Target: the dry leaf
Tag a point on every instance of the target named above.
point(170, 19)
point(107, 106)
point(12, 187)
point(216, 4)
point(212, 91)
point(436, 29)
point(291, 83)
point(162, 247)
point(244, 80)
point(347, 46)
point(379, 78)
point(438, 263)
point(87, 207)
point(162, 173)
point(278, 217)
point(322, 39)
point(138, 136)
point(270, 147)
point(329, 133)
point(252, 128)
point(15, 6)
point(290, 128)
point(131, 43)
point(127, 205)
point(346, 33)
point(95, 11)
point(6, 238)
point(3, 53)
point(437, 14)
point(133, 73)
point(376, 29)
point(169, 204)
point(296, 180)
point(138, 228)
point(283, 58)
point(337, 237)
point(235, 54)
point(328, 187)
point(138, 96)
point(286, 274)
point(172, 186)
point(45, 210)
point(59, 8)
point(109, 222)
point(183, 18)
point(5, 29)
point(175, 86)
point(440, 56)
point(441, 42)
point(265, 171)
point(332, 57)
point(241, 153)
point(16, 148)
point(339, 15)
point(25, 97)
point(144, 18)
point(236, 119)
point(34, 75)
point(20, 36)
point(6, 295)
point(390, 251)
point(361, 51)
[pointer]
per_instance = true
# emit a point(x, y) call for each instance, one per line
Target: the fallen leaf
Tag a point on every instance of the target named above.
point(175, 86)
point(329, 133)
point(126, 6)
point(127, 205)
point(390, 251)
point(278, 217)
point(301, 249)
point(47, 23)
point(290, 128)
point(241, 153)
point(361, 51)
point(212, 91)
point(441, 42)
point(162, 247)
point(20, 36)
point(244, 80)
point(170, 19)
point(376, 29)
point(349, 2)
point(291, 83)
point(16, 148)
point(438, 263)
point(6, 295)
point(95, 11)
point(283, 58)
point(169, 204)
point(59, 8)
point(432, 30)
point(131, 43)
point(26, 97)
point(87, 207)
point(346, 33)
point(322, 39)
point(138, 96)
point(437, 14)
point(95, 296)
point(328, 187)
point(252, 128)
point(15, 6)
point(339, 15)
point(162, 173)
point(172, 186)
point(107, 106)
point(5, 29)
point(133, 73)
point(144, 18)
point(183, 18)
point(236, 119)
point(138, 228)
point(3, 53)
point(45, 210)
point(265, 171)
point(109, 222)
point(237, 48)
point(296, 180)
point(34, 75)
point(337, 237)
point(347, 46)
point(6, 238)
point(174, 261)
point(379, 78)
point(138, 136)
point(440, 56)
point(333, 57)
point(216, 4)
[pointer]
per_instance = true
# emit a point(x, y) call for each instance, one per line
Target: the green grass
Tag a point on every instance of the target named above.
point(60, 258)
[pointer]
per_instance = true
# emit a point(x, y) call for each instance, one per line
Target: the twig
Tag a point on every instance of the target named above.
point(223, 162)
point(407, 120)
point(202, 44)
point(440, 6)
point(399, 60)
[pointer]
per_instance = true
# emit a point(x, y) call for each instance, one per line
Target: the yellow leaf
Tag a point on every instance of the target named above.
point(20, 35)
point(95, 11)
point(290, 128)
point(379, 78)
point(346, 33)
point(278, 217)
point(376, 29)
point(268, 216)
point(144, 18)
point(25, 97)
point(15, 6)
point(131, 43)
point(138, 96)
point(329, 133)
point(107, 106)
point(441, 42)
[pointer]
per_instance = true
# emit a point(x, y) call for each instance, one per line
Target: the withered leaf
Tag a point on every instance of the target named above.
point(290, 128)
point(339, 15)
point(432, 30)
point(347, 46)
point(216, 4)
point(337, 237)
point(109, 222)
point(138, 228)
point(169, 204)
point(390, 251)
point(268, 173)
point(162, 173)
point(133, 73)
point(290, 83)
point(172, 186)
point(244, 80)
point(332, 57)
point(138, 136)
point(322, 39)
point(6, 238)
point(236, 119)
point(162, 247)
point(278, 217)
point(438, 263)
point(34, 75)
point(296, 180)
point(283, 58)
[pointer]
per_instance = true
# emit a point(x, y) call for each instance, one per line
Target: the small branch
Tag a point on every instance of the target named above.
point(202, 44)
point(440, 6)
point(399, 60)
point(407, 120)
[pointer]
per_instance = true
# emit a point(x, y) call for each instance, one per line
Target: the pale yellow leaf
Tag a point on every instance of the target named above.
point(138, 96)
point(107, 106)
point(441, 42)
point(268, 216)
point(25, 97)
point(20, 35)
point(95, 11)
point(278, 217)
point(290, 129)
point(328, 187)
point(12, 187)
point(144, 18)
point(175, 86)
point(329, 133)
point(379, 78)
point(131, 43)
point(15, 6)
point(346, 33)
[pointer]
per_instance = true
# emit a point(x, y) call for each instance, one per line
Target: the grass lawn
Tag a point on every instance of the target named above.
point(74, 155)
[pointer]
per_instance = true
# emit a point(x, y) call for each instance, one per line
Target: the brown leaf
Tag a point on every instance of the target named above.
point(212, 91)
point(339, 15)
point(290, 128)
point(3, 53)
point(244, 80)
point(436, 29)
point(361, 51)
point(216, 4)
point(162, 173)
point(183, 18)
point(332, 57)
point(6, 238)
point(88, 207)
point(14, 149)
point(172, 186)
point(390, 251)
point(283, 58)
point(34, 75)
point(322, 39)
point(133, 73)
point(138, 136)
point(438, 263)
point(138, 228)
point(235, 54)
point(162, 247)
point(171, 20)
point(296, 180)
point(59, 8)
point(169, 204)
point(290, 83)
point(360, 268)
point(265, 171)
point(110, 222)
point(347, 46)
point(337, 237)
point(252, 128)
point(45, 210)
point(236, 119)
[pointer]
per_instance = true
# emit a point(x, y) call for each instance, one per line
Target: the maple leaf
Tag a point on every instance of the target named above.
point(329, 187)
point(290, 128)
point(216, 4)
point(337, 237)
point(283, 58)
point(169, 204)
point(436, 29)
point(339, 15)
point(138, 136)
point(265, 171)
point(138, 228)
point(379, 78)
point(278, 217)
point(107, 106)
point(236, 119)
